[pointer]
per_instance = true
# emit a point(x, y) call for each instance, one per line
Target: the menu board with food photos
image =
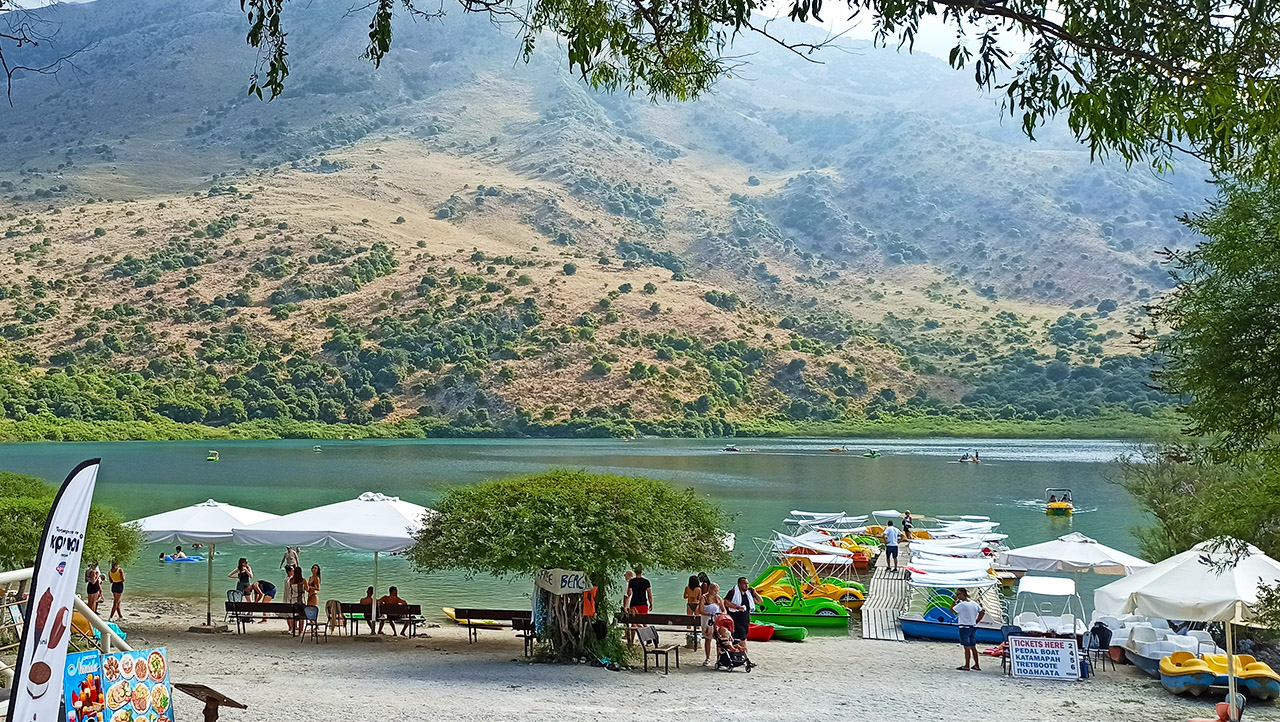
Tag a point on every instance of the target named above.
point(137, 686)
point(82, 688)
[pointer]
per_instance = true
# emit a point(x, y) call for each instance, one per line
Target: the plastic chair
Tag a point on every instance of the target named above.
point(1006, 631)
point(1097, 645)
point(311, 623)
point(235, 597)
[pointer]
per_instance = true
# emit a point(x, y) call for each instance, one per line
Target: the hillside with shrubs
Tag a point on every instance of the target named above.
point(450, 245)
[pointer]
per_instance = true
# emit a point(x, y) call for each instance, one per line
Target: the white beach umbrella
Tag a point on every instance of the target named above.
point(209, 522)
point(371, 522)
point(1073, 552)
point(1208, 583)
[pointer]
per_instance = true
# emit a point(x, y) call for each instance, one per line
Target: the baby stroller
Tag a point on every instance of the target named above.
point(729, 660)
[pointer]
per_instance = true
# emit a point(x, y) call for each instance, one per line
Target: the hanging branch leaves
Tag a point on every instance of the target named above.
point(1138, 81)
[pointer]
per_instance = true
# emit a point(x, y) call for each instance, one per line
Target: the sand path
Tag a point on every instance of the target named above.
point(444, 678)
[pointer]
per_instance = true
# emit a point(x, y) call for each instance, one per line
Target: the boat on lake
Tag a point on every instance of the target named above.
point(1058, 502)
point(213, 456)
point(927, 613)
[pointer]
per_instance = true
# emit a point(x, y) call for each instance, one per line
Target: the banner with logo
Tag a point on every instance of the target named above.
point(562, 581)
point(1044, 657)
point(82, 688)
point(37, 682)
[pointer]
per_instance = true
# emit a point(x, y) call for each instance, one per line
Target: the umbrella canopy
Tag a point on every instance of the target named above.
point(1206, 583)
point(209, 522)
point(372, 523)
point(1074, 552)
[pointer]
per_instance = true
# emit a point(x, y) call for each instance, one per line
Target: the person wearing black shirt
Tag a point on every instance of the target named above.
point(639, 594)
point(739, 602)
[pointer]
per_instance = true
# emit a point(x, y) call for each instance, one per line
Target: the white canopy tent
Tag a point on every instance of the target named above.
point(209, 522)
point(1214, 581)
point(1073, 552)
point(371, 522)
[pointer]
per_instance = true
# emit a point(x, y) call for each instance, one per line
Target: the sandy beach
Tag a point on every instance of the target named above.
point(443, 677)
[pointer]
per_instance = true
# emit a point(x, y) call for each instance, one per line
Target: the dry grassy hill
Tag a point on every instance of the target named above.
point(451, 238)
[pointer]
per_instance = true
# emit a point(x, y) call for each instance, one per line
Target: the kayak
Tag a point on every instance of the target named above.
point(448, 612)
point(766, 632)
point(789, 634)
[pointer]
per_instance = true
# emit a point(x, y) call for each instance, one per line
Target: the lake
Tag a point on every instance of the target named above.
point(759, 489)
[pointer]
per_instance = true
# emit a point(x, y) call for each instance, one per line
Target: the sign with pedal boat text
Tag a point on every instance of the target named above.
point(1044, 658)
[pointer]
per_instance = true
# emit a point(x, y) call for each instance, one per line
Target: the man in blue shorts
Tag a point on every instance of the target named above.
point(891, 537)
point(968, 614)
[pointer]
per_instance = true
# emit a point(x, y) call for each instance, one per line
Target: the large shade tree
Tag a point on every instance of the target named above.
point(24, 507)
point(1220, 327)
point(596, 523)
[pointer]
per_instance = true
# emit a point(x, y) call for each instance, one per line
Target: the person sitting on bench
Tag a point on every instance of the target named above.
point(368, 600)
point(393, 600)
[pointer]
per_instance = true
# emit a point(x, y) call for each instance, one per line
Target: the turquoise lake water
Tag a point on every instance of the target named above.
point(759, 489)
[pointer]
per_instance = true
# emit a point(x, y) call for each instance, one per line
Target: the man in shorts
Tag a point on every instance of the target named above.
point(891, 537)
point(968, 614)
point(639, 593)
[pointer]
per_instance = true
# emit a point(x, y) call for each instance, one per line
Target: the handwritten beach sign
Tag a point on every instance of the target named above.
point(1044, 658)
point(562, 581)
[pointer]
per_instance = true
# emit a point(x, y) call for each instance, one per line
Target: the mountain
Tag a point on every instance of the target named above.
point(464, 238)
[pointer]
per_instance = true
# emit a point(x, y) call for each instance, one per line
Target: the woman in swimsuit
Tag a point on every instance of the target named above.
point(313, 587)
point(93, 586)
point(116, 577)
point(243, 575)
point(693, 595)
point(711, 606)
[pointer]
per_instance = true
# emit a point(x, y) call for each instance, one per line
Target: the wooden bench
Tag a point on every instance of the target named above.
point(242, 613)
point(463, 616)
point(650, 645)
point(407, 613)
point(667, 622)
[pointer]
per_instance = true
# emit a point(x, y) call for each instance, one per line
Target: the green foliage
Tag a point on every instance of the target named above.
point(641, 251)
point(570, 269)
point(1223, 335)
point(727, 301)
point(1192, 499)
point(24, 508)
point(1136, 84)
point(599, 523)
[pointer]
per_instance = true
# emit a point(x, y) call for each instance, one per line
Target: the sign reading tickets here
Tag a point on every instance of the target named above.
point(562, 581)
point(1044, 658)
point(137, 686)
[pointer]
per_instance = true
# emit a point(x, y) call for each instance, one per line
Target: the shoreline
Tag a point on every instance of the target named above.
point(1123, 428)
point(444, 677)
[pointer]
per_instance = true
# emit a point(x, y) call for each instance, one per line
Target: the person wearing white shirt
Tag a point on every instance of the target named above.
point(968, 614)
point(891, 537)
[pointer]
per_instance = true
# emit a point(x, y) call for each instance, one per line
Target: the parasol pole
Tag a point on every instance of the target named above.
point(1232, 713)
point(208, 599)
point(375, 592)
